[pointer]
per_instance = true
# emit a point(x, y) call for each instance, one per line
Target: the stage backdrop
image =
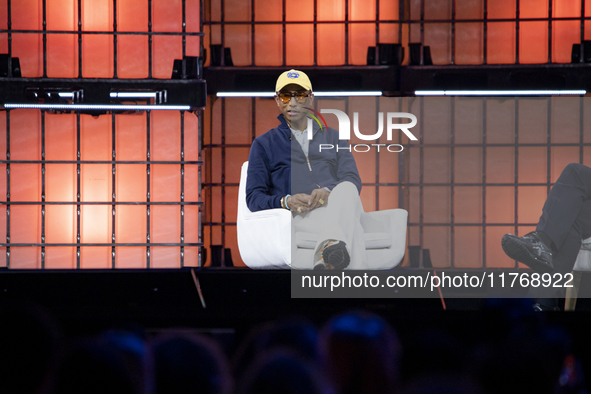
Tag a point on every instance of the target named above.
point(79, 180)
point(259, 33)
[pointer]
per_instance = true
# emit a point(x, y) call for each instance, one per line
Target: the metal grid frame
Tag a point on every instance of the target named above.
point(113, 203)
point(114, 162)
point(404, 183)
point(412, 148)
point(115, 33)
point(405, 22)
point(486, 20)
point(315, 22)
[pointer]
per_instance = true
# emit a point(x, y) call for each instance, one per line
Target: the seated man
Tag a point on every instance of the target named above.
point(321, 188)
point(564, 224)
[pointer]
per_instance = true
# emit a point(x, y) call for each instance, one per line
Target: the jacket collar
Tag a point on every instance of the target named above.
point(284, 127)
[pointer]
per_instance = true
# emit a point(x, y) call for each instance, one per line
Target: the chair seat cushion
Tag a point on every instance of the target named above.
point(378, 240)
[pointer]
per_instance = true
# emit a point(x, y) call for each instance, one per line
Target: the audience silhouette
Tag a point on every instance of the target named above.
point(358, 352)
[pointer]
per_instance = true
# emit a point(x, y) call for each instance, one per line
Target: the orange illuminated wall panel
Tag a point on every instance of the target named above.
point(108, 191)
point(482, 168)
point(360, 36)
point(28, 47)
point(99, 22)
point(3, 26)
point(565, 33)
point(60, 144)
point(299, 37)
point(62, 49)
point(116, 225)
point(132, 50)
point(339, 32)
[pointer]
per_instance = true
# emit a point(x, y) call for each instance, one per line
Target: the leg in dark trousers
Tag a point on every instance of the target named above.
point(566, 216)
point(568, 199)
point(565, 257)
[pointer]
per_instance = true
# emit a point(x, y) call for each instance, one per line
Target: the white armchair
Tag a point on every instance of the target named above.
point(264, 237)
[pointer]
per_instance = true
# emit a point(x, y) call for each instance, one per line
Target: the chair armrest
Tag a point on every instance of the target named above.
point(394, 222)
point(264, 238)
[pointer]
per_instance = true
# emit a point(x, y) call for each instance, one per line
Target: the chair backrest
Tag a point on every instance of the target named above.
point(264, 237)
point(243, 210)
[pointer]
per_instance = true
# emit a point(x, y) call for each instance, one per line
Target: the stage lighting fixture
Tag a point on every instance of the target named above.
point(98, 98)
point(187, 67)
point(216, 56)
point(73, 100)
point(15, 66)
point(415, 49)
point(371, 56)
point(390, 54)
point(583, 50)
point(587, 51)
point(575, 56)
point(427, 61)
point(53, 96)
point(387, 55)
point(185, 91)
point(228, 62)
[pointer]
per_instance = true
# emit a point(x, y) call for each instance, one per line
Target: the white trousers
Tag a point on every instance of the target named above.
point(338, 219)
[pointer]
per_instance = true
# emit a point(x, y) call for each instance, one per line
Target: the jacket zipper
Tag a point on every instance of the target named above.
point(311, 172)
point(309, 165)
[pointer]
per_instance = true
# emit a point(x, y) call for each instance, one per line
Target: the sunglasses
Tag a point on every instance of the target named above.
point(300, 97)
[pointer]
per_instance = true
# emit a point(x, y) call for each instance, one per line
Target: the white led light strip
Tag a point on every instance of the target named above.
point(317, 94)
point(99, 107)
point(118, 94)
point(133, 94)
point(245, 94)
point(499, 92)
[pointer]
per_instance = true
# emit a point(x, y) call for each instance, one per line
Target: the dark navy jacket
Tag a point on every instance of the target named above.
point(275, 154)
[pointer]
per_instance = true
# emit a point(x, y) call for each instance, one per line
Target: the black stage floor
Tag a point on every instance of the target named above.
point(86, 302)
point(149, 302)
point(89, 300)
point(230, 297)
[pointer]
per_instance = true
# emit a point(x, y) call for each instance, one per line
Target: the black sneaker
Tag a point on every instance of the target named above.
point(333, 256)
point(529, 250)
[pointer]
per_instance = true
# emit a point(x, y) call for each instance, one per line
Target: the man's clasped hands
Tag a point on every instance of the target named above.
point(303, 202)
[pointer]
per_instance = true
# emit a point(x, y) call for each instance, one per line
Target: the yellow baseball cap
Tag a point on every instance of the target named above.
point(293, 77)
